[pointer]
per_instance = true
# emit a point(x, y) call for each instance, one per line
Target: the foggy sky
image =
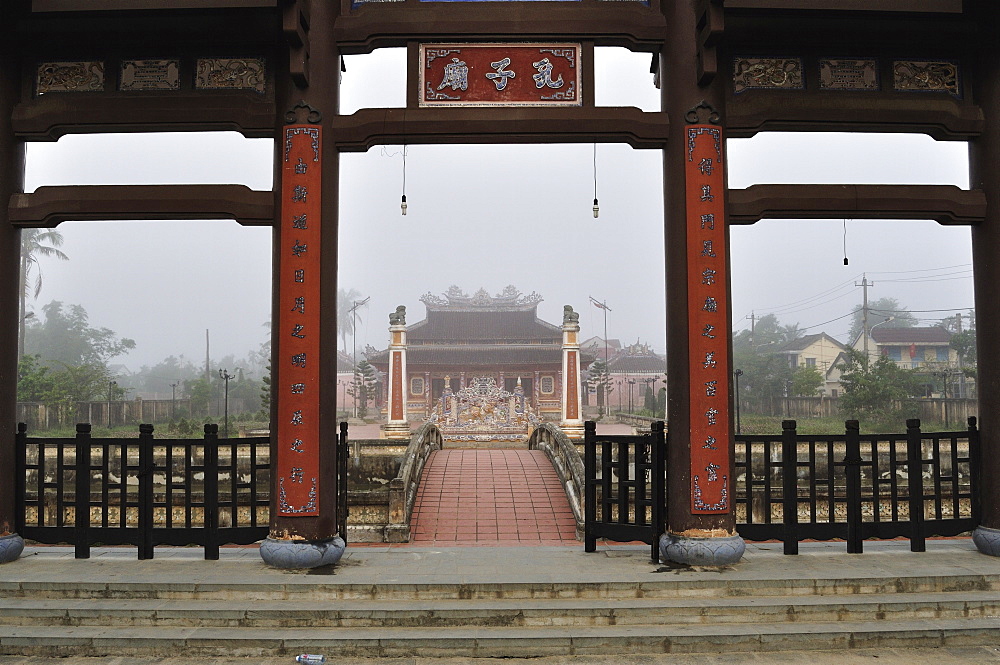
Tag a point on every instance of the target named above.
point(488, 216)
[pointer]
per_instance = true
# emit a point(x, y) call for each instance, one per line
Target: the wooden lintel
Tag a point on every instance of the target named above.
point(370, 127)
point(46, 207)
point(943, 118)
point(945, 204)
point(48, 117)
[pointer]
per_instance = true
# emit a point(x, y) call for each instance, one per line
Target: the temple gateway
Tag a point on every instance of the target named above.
point(474, 345)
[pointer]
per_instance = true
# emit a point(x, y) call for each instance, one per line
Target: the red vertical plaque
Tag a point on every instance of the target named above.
point(708, 320)
point(571, 387)
point(397, 412)
point(298, 323)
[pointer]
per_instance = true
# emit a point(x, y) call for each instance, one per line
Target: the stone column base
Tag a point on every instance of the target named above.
point(573, 430)
point(987, 540)
point(301, 554)
point(396, 430)
point(11, 547)
point(690, 551)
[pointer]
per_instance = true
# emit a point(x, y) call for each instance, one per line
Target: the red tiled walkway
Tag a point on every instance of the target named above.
point(481, 496)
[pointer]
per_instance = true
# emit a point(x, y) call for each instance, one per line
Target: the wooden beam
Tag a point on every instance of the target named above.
point(370, 127)
point(134, 5)
point(48, 117)
point(46, 207)
point(945, 204)
point(945, 6)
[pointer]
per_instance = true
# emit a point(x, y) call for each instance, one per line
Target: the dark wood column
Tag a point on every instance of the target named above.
point(11, 182)
point(679, 75)
point(984, 166)
point(322, 94)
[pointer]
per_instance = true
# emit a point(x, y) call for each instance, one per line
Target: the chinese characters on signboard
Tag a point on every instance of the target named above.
point(297, 394)
point(500, 75)
point(708, 320)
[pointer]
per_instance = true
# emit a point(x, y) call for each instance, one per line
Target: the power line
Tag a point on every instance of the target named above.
point(901, 272)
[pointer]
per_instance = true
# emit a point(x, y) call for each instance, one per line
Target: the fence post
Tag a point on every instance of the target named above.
point(789, 487)
point(146, 491)
point(342, 446)
point(590, 485)
point(659, 498)
point(20, 481)
point(852, 470)
point(915, 484)
point(211, 498)
point(975, 471)
point(82, 492)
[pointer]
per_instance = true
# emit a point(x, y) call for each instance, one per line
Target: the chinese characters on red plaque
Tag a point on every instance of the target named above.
point(707, 320)
point(572, 385)
point(298, 324)
point(500, 75)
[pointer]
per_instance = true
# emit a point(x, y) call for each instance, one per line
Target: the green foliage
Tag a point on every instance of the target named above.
point(365, 386)
point(878, 311)
point(806, 381)
point(649, 400)
point(265, 395)
point(768, 334)
point(661, 403)
point(878, 391)
point(964, 344)
point(34, 383)
point(200, 392)
point(66, 337)
point(599, 378)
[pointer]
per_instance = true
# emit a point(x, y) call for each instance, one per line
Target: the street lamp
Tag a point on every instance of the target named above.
point(880, 323)
point(225, 376)
point(736, 376)
point(111, 387)
point(173, 399)
point(631, 383)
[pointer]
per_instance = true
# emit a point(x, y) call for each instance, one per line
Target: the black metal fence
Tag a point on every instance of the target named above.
point(147, 492)
point(625, 488)
point(855, 486)
point(794, 487)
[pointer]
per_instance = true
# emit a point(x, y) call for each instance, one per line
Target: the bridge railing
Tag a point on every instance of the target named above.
point(565, 457)
point(403, 488)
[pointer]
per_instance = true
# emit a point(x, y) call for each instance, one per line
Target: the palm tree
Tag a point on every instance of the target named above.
point(35, 244)
point(345, 320)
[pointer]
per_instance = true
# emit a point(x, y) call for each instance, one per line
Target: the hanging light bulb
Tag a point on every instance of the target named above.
point(402, 205)
point(597, 209)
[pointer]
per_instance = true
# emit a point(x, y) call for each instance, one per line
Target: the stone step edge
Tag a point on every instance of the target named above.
point(623, 589)
point(120, 606)
point(495, 642)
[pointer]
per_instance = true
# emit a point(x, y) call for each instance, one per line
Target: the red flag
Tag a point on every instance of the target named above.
point(913, 351)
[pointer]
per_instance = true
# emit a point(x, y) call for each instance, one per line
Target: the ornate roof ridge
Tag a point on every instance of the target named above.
point(456, 300)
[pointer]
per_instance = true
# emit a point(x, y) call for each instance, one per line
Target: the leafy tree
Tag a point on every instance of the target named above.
point(200, 392)
point(877, 390)
point(65, 336)
point(599, 378)
point(964, 344)
point(34, 383)
point(806, 381)
point(35, 244)
point(661, 403)
point(878, 311)
point(767, 377)
point(767, 332)
point(265, 395)
point(365, 386)
point(649, 400)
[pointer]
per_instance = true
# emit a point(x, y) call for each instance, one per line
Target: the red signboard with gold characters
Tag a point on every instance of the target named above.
point(708, 320)
point(298, 324)
point(500, 75)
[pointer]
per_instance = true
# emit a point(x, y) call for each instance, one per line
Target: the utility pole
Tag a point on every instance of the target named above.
point(864, 308)
point(173, 399)
point(604, 306)
point(208, 372)
point(354, 338)
point(753, 323)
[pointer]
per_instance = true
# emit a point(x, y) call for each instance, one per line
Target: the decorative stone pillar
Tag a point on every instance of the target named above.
point(984, 171)
point(428, 401)
point(572, 410)
point(397, 426)
point(701, 520)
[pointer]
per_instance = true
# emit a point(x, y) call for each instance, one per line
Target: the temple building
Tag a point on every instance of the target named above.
point(464, 338)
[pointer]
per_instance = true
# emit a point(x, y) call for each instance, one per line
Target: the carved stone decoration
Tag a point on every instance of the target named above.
point(77, 76)
point(848, 74)
point(150, 75)
point(769, 73)
point(231, 74)
point(926, 76)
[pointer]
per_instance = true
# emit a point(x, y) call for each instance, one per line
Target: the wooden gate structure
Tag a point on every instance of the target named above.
point(726, 68)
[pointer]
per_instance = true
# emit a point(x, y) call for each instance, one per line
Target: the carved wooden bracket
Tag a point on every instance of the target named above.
point(295, 27)
point(711, 25)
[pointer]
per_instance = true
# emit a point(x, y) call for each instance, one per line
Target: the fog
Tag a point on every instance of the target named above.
point(489, 216)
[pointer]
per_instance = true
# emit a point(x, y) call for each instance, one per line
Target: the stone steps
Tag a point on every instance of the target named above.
point(498, 612)
point(496, 642)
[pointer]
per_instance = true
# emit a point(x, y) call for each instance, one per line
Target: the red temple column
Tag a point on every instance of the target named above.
point(11, 182)
point(984, 166)
point(303, 529)
point(701, 523)
point(572, 417)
